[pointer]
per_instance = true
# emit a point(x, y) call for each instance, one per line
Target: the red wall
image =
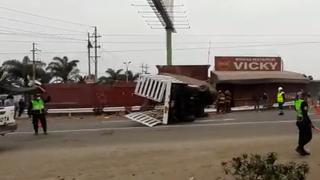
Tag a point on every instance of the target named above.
point(194, 71)
point(92, 95)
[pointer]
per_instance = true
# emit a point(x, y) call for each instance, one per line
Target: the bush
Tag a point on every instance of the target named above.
point(257, 167)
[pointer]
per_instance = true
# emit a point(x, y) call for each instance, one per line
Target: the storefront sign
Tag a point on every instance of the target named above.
point(227, 63)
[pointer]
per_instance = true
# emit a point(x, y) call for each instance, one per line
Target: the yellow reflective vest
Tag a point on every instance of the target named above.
point(280, 98)
point(297, 106)
point(37, 104)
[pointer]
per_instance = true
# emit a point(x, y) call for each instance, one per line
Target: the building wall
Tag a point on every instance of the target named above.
point(195, 71)
point(92, 95)
point(314, 89)
point(243, 95)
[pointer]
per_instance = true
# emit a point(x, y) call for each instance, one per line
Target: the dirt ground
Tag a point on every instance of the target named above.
point(188, 160)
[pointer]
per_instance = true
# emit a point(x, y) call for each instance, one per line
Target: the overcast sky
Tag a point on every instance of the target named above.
point(286, 28)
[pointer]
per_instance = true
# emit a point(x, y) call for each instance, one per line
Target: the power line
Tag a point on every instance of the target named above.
point(41, 25)
point(46, 52)
point(41, 35)
point(206, 48)
point(44, 17)
point(35, 32)
point(177, 49)
point(222, 35)
point(219, 42)
point(43, 42)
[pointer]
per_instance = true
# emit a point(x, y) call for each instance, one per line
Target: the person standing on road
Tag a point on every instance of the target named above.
point(304, 124)
point(220, 104)
point(22, 106)
point(265, 100)
point(228, 100)
point(38, 113)
point(256, 101)
point(280, 100)
point(9, 101)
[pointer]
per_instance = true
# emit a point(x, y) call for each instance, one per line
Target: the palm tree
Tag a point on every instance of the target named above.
point(132, 77)
point(117, 75)
point(23, 71)
point(63, 69)
point(114, 75)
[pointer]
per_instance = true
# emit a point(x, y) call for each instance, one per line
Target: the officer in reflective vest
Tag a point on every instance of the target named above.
point(38, 113)
point(297, 106)
point(280, 100)
point(304, 124)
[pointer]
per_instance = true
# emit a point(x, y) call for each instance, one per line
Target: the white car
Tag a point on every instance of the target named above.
point(7, 121)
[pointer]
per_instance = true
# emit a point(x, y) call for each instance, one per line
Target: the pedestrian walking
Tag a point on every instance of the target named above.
point(9, 101)
point(265, 98)
point(220, 104)
point(37, 111)
point(256, 101)
point(304, 124)
point(280, 100)
point(22, 106)
point(228, 101)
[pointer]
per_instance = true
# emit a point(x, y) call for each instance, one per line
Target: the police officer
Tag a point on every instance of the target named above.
point(220, 104)
point(304, 123)
point(228, 99)
point(280, 100)
point(38, 113)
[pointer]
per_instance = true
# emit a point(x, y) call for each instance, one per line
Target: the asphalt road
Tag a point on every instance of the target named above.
point(118, 130)
point(112, 147)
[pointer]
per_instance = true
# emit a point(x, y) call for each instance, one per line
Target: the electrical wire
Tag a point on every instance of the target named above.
point(40, 25)
point(44, 17)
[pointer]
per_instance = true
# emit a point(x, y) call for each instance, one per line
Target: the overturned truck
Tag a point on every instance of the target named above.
point(171, 98)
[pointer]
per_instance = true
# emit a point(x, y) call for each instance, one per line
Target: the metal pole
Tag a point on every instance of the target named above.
point(209, 52)
point(33, 62)
point(95, 54)
point(89, 56)
point(169, 47)
point(127, 69)
point(127, 72)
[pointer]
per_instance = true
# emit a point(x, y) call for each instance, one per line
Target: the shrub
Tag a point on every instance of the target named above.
point(257, 167)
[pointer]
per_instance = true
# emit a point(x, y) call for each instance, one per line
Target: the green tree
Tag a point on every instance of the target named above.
point(23, 70)
point(117, 75)
point(132, 77)
point(114, 75)
point(63, 69)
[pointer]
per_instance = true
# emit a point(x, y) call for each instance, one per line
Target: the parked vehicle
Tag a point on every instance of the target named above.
point(7, 121)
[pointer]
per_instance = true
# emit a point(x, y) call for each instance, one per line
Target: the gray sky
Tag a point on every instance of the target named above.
point(286, 28)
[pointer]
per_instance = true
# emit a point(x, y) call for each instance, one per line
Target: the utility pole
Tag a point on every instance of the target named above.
point(142, 68)
point(95, 36)
point(34, 50)
point(146, 69)
point(209, 52)
point(89, 55)
point(127, 69)
point(169, 47)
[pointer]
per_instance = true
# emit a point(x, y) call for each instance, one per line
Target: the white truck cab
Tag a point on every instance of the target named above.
point(7, 121)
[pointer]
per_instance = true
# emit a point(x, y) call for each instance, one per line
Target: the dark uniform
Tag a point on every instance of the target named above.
point(221, 99)
point(280, 100)
point(304, 125)
point(38, 113)
point(228, 100)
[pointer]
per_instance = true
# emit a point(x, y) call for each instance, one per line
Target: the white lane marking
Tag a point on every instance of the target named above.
point(229, 119)
point(115, 121)
point(215, 120)
point(165, 126)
